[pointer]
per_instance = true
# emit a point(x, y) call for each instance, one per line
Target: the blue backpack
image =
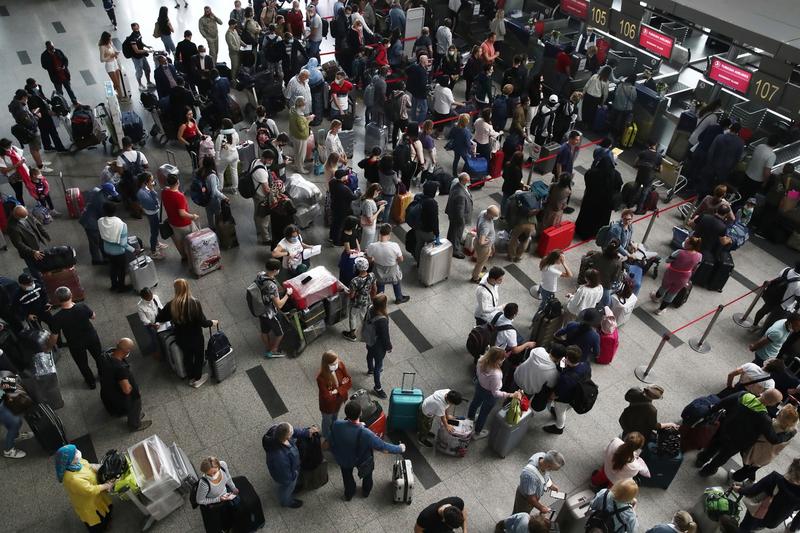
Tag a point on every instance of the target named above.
point(199, 191)
point(698, 409)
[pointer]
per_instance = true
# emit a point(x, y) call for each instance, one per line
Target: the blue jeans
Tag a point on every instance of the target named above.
point(456, 156)
point(606, 299)
point(419, 109)
point(285, 493)
point(313, 49)
point(154, 231)
point(375, 356)
point(12, 423)
point(389, 198)
point(484, 401)
point(169, 45)
point(327, 423)
point(398, 290)
point(545, 296)
point(141, 65)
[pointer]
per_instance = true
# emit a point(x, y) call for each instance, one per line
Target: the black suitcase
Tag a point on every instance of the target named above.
point(722, 271)
point(313, 315)
point(335, 309)
point(702, 276)
point(663, 468)
point(132, 126)
point(223, 70)
point(682, 296)
point(249, 514)
point(46, 427)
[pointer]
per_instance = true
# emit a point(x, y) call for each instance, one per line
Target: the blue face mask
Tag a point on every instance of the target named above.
point(294, 240)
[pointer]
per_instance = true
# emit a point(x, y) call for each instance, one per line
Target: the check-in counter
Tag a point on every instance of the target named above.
point(649, 113)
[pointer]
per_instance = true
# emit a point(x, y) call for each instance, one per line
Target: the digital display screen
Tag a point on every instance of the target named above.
point(656, 42)
point(575, 8)
point(730, 75)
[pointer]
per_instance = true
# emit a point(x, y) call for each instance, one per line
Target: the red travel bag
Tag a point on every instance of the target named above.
point(555, 237)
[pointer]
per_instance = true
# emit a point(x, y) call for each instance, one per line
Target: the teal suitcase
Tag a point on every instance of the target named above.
point(403, 405)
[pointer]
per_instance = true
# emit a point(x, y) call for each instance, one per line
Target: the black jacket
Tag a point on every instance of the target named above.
point(293, 61)
point(746, 419)
point(46, 60)
point(184, 52)
point(430, 208)
point(341, 196)
point(784, 502)
point(37, 100)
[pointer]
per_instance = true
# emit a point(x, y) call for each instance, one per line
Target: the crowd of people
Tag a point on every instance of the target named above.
point(755, 412)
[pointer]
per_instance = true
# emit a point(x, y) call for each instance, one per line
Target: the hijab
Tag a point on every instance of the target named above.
point(64, 457)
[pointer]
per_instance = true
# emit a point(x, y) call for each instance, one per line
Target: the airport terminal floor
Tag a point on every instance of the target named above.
point(228, 419)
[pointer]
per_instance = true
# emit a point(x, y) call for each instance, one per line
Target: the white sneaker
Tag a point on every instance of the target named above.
point(659, 311)
point(157, 255)
point(24, 435)
point(55, 213)
point(199, 383)
point(14, 453)
point(482, 434)
point(162, 246)
point(46, 170)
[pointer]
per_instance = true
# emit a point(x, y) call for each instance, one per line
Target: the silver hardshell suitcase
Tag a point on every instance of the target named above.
point(574, 512)
point(434, 262)
point(348, 140)
point(503, 437)
point(403, 481)
point(247, 154)
point(223, 367)
point(143, 273)
point(305, 216)
point(374, 135)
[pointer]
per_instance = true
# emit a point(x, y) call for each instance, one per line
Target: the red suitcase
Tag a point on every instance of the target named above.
point(555, 237)
point(697, 437)
point(66, 277)
point(74, 199)
point(378, 426)
point(496, 164)
point(312, 286)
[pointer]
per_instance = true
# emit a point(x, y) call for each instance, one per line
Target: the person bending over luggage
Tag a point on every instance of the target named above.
point(538, 374)
point(488, 296)
point(746, 419)
point(353, 446)
point(534, 480)
point(90, 500)
point(682, 522)
point(147, 308)
point(583, 333)
point(785, 492)
point(436, 406)
point(269, 322)
point(641, 415)
point(575, 372)
point(681, 265)
point(487, 389)
point(752, 378)
point(217, 495)
point(764, 452)
point(781, 304)
point(616, 506)
point(334, 384)
point(507, 336)
point(362, 289)
point(283, 460)
point(442, 517)
point(621, 461)
point(523, 523)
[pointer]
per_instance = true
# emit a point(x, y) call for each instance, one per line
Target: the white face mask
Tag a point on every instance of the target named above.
point(202, 56)
point(78, 456)
point(333, 367)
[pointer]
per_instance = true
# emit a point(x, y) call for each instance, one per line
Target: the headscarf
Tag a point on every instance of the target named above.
point(64, 457)
point(361, 264)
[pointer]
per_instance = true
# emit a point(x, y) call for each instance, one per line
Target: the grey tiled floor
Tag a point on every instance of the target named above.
point(228, 419)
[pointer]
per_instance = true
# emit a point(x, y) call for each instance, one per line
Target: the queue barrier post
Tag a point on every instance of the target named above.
point(650, 226)
point(701, 345)
point(743, 319)
point(644, 373)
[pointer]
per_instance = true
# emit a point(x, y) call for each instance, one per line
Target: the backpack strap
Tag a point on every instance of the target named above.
point(125, 159)
point(494, 303)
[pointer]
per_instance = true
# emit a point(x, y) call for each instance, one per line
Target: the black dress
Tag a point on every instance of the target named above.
point(189, 336)
point(602, 183)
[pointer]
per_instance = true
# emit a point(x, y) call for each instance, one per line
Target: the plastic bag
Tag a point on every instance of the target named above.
point(514, 413)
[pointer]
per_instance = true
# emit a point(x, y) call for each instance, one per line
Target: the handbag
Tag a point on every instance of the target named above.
point(156, 31)
point(164, 227)
point(366, 467)
point(758, 505)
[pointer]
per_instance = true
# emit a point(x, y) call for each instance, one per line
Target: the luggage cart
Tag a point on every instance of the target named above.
point(159, 479)
point(670, 177)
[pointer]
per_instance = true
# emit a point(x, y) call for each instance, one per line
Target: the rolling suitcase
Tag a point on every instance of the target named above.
point(682, 296)
point(545, 163)
point(504, 437)
point(404, 404)
point(202, 247)
point(132, 126)
point(457, 442)
point(313, 315)
point(234, 110)
point(555, 237)
point(376, 421)
point(222, 366)
point(247, 154)
point(629, 135)
point(478, 170)
point(697, 436)
point(312, 286)
point(305, 216)
point(375, 135)
point(226, 233)
point(313, 478)
point(435, 262)
point(403, 481)
point(46, 427)
point(574, 512)
point(496, 164)
point(45, 387)
point(74, 199)
point(679, 234)
point(335, 309)
point(663, 468)
point(722, 271)
point(249, 515)
point(173, 352)
point(348, 139)
point(67, 277)
point(293, 342)
point(399, 206)
point(600, 124)
point(143, 273)
point(705, 269)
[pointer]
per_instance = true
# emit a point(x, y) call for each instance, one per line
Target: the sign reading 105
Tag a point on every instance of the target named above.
point(599, 17)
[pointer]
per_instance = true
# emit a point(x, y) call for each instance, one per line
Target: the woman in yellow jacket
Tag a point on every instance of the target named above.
point(89, 499)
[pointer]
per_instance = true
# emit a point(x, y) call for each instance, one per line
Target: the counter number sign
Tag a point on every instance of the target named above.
point(625, 28)
point(765, 88)
point(599, 16)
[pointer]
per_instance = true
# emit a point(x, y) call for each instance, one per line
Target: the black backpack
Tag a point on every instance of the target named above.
point(585, 396)
point(199, 191)
point(776, 288)
point(601, 520)
point(339, 26)
point(131, 169)
point(112, 466)
point(402, 155)
point(310, 450)
point(395, 103)
point(246, 185)
point(325, 27)
point(127, 47)
point(482, 337)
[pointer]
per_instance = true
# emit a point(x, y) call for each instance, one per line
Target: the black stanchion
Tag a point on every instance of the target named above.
point(701, 345)
point(645, 373)
point(744, 319)
point(650, 226)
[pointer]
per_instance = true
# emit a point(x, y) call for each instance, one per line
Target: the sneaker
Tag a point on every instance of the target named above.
point(296, 504)
point(426, 443)
point(403, 300)
point(162, 246)
point(459, 255)
point(199, 382)
point(24, 435)
point(144, 424)
point(14, 453)
point(157, 255)
point(659, 311)
point(349, 336)
point(553, 429)
point(653, 296)
point(707, 471)
point(379, 393)
point(46, 170)
point(370, 372)
point(272, 355)
point(482, 434)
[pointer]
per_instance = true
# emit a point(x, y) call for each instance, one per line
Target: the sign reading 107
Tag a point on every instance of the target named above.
point(765, 88)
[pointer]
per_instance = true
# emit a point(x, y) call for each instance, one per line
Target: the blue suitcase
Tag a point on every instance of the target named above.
point(403, 405)
point(679, 235)
point(600, 124)
point(132, 126)
point(478, 170)
point(663, 468)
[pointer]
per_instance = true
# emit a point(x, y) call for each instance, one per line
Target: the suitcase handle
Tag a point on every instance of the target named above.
point(141, 260)
point(403, 381)
point(171, 158)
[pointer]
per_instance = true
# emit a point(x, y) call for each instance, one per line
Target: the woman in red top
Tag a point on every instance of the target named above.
point(188, 132)
point(177, 210)
point(340, 89)
point(334, 387)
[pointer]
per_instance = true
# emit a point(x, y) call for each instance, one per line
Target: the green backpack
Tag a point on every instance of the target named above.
point(718, 503)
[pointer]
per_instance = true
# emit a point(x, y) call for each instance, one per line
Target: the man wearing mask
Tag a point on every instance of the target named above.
point(56, 64)
point(27, 235)
point(184, 53)
point(27, 121)
point(118, 389)
point(459, 211)
point(166, 76)
point(140, 53)
point(31, 301)
point(208, 29)
point(201, 70)
point(47, 127)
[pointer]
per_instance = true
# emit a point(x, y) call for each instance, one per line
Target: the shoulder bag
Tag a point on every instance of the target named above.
point(164, 228)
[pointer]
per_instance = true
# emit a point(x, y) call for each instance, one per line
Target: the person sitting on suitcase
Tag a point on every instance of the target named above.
point(535, 479)
point(353, 446)
point(641, 415)
point(436, 406)
point(622, 232)
point(283, 459)
point(442, 517)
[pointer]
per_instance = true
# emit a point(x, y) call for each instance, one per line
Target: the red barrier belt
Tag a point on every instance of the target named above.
point(701, 317)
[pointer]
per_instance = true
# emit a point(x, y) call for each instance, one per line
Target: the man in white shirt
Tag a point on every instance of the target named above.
point(540, 369)
point(314, 23)
point(444, 38)
point(443, 102)
point(752, 377)
point(260, 175)
point(433, 407)
point(507, 337)
point(487, 295)
point(147, 308)
point(759, 168)
point(129, 155)
point(385, 256)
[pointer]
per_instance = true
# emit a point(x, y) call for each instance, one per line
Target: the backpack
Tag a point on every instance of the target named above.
point(776, 288)
point(482, 337)
point(218, 346)
point(369, 333)
point(254, 300)
point(112, 466)
point(199, 192)
point(603, 237)
point(310, 451)
point(246, 185)
point(395, 106)
point(206, 148)
point(193, 490)
point(127, 47)
point(247, 38)
point(602, 520)
point(698, 409)
point(339, 27)
point(59, 105)
point(369, 95)
point(585, 396)
point(500, 109)
point(718, 503)
point(131, 169)
point(414, 211)
point(402, 155)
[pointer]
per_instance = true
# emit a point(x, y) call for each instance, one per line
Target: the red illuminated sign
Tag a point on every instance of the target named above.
point(730, 75)
point(575, 8)
point(656, 42)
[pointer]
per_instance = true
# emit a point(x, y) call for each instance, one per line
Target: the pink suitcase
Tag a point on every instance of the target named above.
point(66, 277)
point(74, 199)
point(312, 286)
point(203, 249)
